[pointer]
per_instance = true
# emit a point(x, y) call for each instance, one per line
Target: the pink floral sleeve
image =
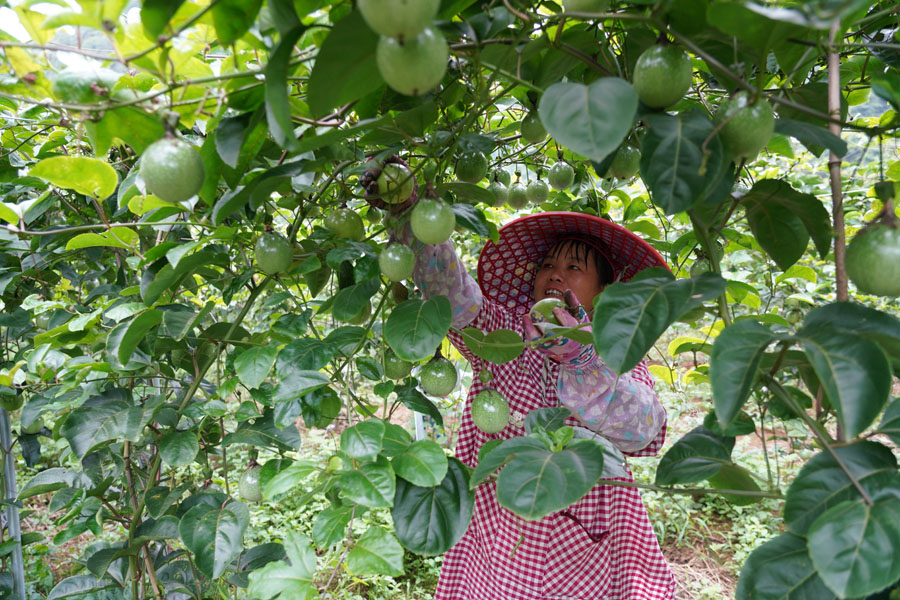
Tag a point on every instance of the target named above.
point(439, 272)
point(622, 408)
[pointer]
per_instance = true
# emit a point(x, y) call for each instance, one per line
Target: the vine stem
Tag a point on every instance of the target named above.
point(819, 432)
point(834, 167)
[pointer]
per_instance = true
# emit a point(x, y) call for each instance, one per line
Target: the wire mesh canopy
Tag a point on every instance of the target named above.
point(506, 269)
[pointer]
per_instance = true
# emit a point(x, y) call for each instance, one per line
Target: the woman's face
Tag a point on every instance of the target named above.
point(564, 268)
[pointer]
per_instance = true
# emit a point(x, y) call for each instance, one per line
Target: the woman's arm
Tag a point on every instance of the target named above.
point(622, 408)
point(439, 272)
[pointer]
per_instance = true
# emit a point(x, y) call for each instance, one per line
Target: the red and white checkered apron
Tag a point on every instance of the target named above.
point(605, 548)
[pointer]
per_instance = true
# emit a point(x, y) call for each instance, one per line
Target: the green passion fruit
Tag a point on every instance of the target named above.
point(273, 253)
point(499, 191)
point(346, 223)
point(394, 366)
point(490, 411)
point(249, 486)
point(172, 169)
point(542, 310)
point(395, 183)
point(537, 191)
point(745, 127)
point(518, 196)
point(625, 163)
point(398, 18)
point(438, 377)
point(662, 75)
point(471, 167)
point(415, 65)
point(873, 259)
point(561, 176)
point(432, 221)
point(532, 129)
point(396, 262)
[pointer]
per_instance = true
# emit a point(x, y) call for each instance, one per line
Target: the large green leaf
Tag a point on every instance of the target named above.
point(297, 382)
point(429, 520)
point(233, 18)
point(363, 440)
point(376, 552)
point(292, 581)
point(750, 27)
point(345, 67)
point(537, 482)
point(352, 300)
point(783, 219)
point(630, 317)
point(421, 463)
point(413, 399)
point(136, 330)
point(823, 482)
point(733, 366)
point(697, 456)
point(330, 525)
point(415, 328)
point(372, 484)
point(854, 372)
point(811, 135)
point(278, 107)
point(156, 14)
point(89, 176)
point(781, 569)
point(287, 479)
point(890, 424)
point(52, 479)
point(681, 159)
point(498, 346)
point(263, 432)
point(115, 237)
point(102, 419)
point(214, 534)
point(84, 587)
point(850, 317)
point(854, 545)
point(179, 448)
point(590, 120)
point(253, 365)
point(131, 125)
point(258, 189)
point(306, 354)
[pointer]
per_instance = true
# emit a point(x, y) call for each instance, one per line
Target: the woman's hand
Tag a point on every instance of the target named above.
point(562, 349)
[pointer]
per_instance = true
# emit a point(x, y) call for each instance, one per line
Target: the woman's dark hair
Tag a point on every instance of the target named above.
point(586, 248)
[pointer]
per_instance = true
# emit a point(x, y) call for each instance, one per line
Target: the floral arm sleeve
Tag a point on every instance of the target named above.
point(622, 408)
point(439, 272)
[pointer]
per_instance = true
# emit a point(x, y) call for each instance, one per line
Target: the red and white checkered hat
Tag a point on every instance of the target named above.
point(506, 269)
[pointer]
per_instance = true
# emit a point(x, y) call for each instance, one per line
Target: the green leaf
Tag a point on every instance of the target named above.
point(83, 586)
point(751, 27)
point(695, 457)
point(306, 354)
point(214, 534)
point(278, 107)
point(538, 482)
point(823, 482)
point(131, 125)
point(287, 479)
point(396, 439)
point(89, 176)
point(179, 448)
point(253, 365)
point(590, 120)
point(781, 569)
point(422, 463)
point(413, 399)
point(853, 546)
point(116, 237)
point(135, 331)
point(474, 220)
point(345, 68)
point(498, 346)
point(854, 372)
point(466, 192)
point(297, 382)
point(376, 552)
point(415, 328)
point(890, 423)
point(289, 582)
point(156, 14)
point(853, 318)
point(352, 299)
point(330, 524)
point(782, 219)
point(53, 479)
point(811, 135)
point(732, 477)
point(363, 440)
point(630, 317)
point(103, 419)
point(160, 498)
point(734, 364)
point(372, 484)
point(233, 18)
point(681, 160)
point(264, 434)
point(258, 189)
point(430, 520)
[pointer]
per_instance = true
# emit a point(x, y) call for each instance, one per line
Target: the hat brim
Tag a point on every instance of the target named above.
point(506, 269)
